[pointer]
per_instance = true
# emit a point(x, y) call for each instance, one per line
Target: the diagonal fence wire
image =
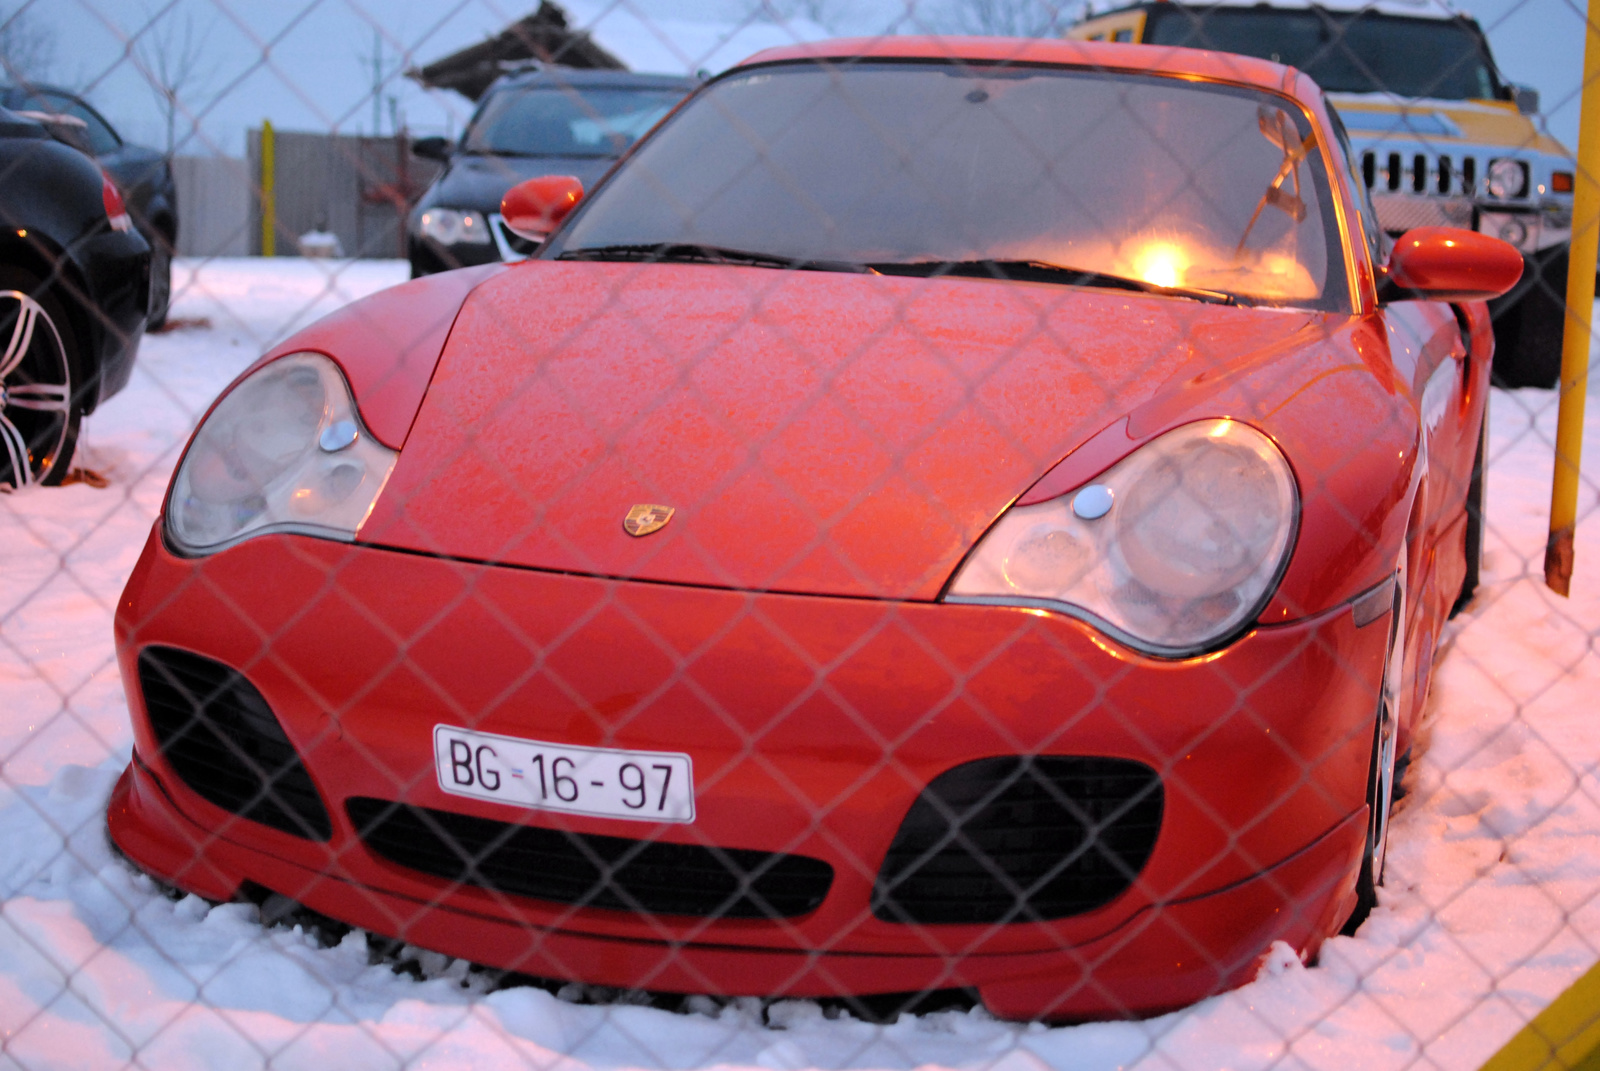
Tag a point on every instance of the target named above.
point(1488, 911)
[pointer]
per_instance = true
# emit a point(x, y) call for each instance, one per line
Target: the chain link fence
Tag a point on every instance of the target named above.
point(875, 589)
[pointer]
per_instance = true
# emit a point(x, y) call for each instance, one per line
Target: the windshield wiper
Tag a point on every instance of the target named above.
point(1037, 271)
point(690, 253)
point(533, 154)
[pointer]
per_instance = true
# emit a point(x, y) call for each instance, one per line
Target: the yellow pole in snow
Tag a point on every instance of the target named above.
point(1563, 1037)
point(269, 193)
point(1580, 306)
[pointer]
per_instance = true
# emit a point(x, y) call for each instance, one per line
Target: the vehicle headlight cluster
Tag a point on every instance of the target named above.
point(284, 451)
point(1506, 179)
point(1172, 550)
point(449, 226)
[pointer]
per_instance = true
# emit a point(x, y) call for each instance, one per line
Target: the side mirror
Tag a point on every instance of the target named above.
point(1449, 264)
point(434, 148)
point(535, 207)
point(1527, 99)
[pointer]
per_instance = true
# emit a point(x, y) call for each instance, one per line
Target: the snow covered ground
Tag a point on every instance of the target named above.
point(1491, 907)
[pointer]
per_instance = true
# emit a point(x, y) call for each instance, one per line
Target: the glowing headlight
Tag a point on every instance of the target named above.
point(449, 226)
point(283, 452)
point(1506, 179)
point(1172, 550)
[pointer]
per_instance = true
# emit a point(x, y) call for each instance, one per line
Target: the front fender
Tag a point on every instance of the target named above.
point(387, 345)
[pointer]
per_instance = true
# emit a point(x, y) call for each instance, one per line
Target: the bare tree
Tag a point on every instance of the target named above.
point(172, 56)
point(27, 48)
point(824, 13)
point(1012, 18)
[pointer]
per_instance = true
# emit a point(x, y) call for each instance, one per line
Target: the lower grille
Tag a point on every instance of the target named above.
point(1399, 212)
point(1019, 839)
point(220, 737)
point(591, 870)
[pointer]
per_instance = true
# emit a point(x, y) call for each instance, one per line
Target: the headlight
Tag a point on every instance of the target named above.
point(1506, 179)
point(448, 226)
point(285, 451)
point(1171, 550)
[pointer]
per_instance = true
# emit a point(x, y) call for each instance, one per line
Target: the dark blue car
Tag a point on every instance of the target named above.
point(74, 297)
point(143, 175)
point(540, 121)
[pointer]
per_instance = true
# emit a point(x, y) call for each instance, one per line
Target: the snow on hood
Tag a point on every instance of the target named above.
point(815, 432)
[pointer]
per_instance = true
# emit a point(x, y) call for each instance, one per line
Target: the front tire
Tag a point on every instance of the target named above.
point(160, 280)
point(1475, 508)
point(1529, 324)
point(40, 413)
point(1381, 769)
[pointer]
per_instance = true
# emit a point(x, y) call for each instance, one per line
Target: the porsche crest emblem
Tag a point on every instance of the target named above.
point(646, 518)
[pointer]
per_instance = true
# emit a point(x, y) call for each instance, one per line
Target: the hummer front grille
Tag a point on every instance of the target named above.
point(1419, 172)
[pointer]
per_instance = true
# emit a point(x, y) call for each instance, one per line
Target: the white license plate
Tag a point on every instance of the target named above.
point(646, 786)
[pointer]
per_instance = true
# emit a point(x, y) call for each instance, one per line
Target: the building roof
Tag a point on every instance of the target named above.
point(543, 36)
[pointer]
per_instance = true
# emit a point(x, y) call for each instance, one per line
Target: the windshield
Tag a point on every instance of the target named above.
point(1175, 183)
point(563, 121)
point(1354, 52)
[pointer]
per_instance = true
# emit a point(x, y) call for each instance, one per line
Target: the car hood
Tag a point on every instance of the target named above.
point(1379, 116)
point(814, 432)
point(479, 182)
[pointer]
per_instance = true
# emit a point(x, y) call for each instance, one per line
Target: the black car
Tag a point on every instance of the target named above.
point(143, 175)
point(74, 296)
point(542, 121)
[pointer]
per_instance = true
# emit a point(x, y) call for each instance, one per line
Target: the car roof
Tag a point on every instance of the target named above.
point(564, 77)
point(1099, 55)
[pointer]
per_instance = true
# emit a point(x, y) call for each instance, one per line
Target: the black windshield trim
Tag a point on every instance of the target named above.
point(692, 253)
point(1033, 271)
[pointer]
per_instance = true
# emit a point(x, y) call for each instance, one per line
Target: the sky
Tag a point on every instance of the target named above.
point(308, 64)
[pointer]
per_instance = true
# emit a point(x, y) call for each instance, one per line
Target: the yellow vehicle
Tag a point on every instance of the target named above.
point(1437, 136)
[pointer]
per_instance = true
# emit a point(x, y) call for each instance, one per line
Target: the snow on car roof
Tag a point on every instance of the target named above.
point(1102, 55)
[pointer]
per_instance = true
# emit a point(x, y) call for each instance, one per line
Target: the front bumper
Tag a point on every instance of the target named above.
point(429, 257)
point(813, 724)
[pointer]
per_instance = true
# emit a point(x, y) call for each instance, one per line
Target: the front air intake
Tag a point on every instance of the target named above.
point(590, 870)
point(219, 736)
point(1020, 839)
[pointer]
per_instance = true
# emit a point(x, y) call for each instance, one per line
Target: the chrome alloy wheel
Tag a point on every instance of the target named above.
point(35, 393)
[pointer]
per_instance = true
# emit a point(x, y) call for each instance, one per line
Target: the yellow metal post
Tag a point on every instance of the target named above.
point(1580, 305)
point(269, 194)
point(1564, 1037)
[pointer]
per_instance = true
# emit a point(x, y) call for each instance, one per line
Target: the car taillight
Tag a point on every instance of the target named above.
point(116, 211)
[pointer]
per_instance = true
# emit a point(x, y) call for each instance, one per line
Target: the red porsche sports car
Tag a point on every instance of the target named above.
point(941, 513)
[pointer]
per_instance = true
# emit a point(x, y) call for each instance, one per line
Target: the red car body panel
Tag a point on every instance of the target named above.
point(654, 666)
point(1157, 960)
point(869, 429)
point(402, 332)
point(835, 445)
